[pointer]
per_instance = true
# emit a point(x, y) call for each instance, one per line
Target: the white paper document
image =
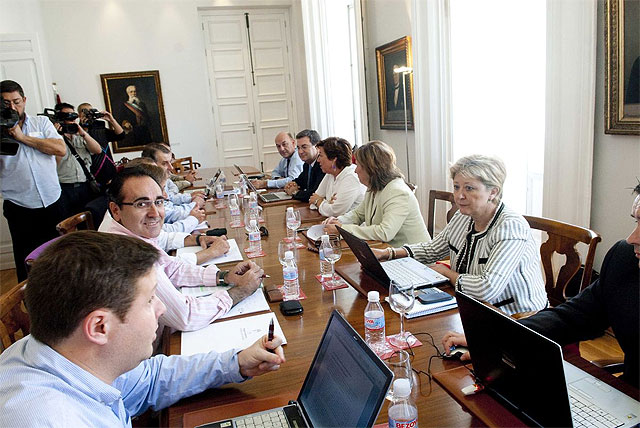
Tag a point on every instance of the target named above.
point(239, 333)
point(233, 255)
point(203, 225)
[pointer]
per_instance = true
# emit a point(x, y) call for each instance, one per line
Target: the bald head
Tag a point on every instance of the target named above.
point(286, 144)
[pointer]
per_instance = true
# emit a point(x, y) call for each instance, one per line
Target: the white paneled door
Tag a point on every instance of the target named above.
point(249, 69)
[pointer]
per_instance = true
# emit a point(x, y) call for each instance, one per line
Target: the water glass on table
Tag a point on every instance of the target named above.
point(401, 300)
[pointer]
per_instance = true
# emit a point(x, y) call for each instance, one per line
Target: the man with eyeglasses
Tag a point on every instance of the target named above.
point(137, 206)
point(30, 186)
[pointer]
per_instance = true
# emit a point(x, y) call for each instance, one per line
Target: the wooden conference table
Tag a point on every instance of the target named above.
point(435, 406)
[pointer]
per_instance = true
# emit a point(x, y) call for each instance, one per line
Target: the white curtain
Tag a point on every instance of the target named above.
point(570, 96)
point(431, 68)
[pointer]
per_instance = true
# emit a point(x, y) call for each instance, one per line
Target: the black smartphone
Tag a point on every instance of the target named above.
point(291, 307)
point(217, 232)
point(432, 295)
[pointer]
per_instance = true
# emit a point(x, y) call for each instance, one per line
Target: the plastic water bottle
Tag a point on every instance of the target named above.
point(291, 288)
point(325, 265)
point(236, 218)
point(219, 191)
point(255, 243)
point(374, 331)
point(222, 179)
point(403, 412)
point(253, 200)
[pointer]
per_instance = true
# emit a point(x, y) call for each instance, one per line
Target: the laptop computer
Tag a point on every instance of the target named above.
point(525, 371)
point(251, 177)
point(266, 197)
point(405, 271)
point(345, 386)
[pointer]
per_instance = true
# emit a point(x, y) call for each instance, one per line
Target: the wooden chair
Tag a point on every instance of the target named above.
point(442, 196)
point(13, 315)
point(562, 239)
point(184, 164)
point(71, 224)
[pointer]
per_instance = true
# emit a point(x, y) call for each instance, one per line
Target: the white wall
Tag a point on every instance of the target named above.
point(616, 167)
point(86, 38)
point(385, 21)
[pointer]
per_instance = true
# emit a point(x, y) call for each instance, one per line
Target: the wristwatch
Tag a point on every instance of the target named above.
point(221, 277)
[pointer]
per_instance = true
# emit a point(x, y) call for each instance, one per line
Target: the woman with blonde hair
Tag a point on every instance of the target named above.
point(389, 211)
point(493, 254)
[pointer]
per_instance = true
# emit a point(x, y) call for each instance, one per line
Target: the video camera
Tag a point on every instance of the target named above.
point(60, 117)
point(8, 119)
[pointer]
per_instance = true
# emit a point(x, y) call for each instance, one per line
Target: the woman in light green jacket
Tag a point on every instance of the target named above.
point(389, 211)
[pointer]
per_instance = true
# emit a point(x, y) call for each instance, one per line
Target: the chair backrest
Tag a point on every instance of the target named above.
point(184, 164)
point(13, 316)
point(28, 261)
point(71, 224)
point(443, 196)
point(562, 239)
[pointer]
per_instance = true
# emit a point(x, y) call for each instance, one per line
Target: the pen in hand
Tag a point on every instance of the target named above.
point(270, 335)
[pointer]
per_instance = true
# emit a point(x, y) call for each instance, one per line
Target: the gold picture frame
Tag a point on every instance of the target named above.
point(390, 97)
point(143, 121)
point(622, 67)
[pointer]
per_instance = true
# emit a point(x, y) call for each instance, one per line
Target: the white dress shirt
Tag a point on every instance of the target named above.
point(347, 189)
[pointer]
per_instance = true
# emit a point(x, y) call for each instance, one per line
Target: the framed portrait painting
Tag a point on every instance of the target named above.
point(622, 67)
point(395, 88)
point(135, 101)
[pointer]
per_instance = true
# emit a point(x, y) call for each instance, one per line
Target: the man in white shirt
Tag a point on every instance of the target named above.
point(289, 167)
point(29, 180)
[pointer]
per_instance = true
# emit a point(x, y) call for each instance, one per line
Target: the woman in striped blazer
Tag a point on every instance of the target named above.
point(493, 254)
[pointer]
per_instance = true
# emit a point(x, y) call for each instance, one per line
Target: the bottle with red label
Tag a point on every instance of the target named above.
point(374, 328)
point(403, 412)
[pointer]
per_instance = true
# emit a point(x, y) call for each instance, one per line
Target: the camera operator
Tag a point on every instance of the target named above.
point(30, 186)
point(93, 121)
point(73, 168)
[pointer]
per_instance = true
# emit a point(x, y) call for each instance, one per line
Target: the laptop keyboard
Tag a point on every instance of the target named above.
point(587, 414)
point(402, 275)
point(272, 419)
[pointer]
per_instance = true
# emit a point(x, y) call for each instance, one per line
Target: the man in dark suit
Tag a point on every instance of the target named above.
point(309, 179)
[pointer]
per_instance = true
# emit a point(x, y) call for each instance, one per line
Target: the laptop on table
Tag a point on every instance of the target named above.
point(405, 271)
point(251, 176)
point(525, 371)
point(345, 386)
point(265, 197)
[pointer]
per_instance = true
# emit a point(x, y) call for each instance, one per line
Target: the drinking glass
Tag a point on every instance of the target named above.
point(401, 300)
point(284, 246)
point(293, 223)
point(251, 214)
point(400, 364)
point(332, 255)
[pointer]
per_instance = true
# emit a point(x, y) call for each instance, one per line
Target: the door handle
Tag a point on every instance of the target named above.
point(253, 127)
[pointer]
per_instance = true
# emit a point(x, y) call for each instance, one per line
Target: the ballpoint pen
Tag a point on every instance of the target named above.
point(270, 335)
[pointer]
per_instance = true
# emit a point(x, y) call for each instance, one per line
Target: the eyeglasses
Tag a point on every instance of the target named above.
point(145, 204)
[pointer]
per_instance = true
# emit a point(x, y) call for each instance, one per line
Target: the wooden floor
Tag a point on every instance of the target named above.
point(602, 348)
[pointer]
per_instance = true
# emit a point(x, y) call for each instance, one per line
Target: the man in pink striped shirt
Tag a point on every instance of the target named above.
point(137, 206)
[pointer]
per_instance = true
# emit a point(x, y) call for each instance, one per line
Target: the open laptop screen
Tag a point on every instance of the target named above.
point(518, 365)
point(346, 383)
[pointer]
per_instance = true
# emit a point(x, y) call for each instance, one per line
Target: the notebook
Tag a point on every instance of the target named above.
point(420, 309)
point(405, 271)
point(525, 371)
point(345, 376)
point(266, 197)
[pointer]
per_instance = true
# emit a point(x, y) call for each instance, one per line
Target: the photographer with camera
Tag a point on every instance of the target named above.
point(95, 123)
point(77, 183)
point(30, 186)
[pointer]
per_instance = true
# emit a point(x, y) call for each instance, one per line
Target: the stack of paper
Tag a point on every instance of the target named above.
point(233, 255)
point(239, 333)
